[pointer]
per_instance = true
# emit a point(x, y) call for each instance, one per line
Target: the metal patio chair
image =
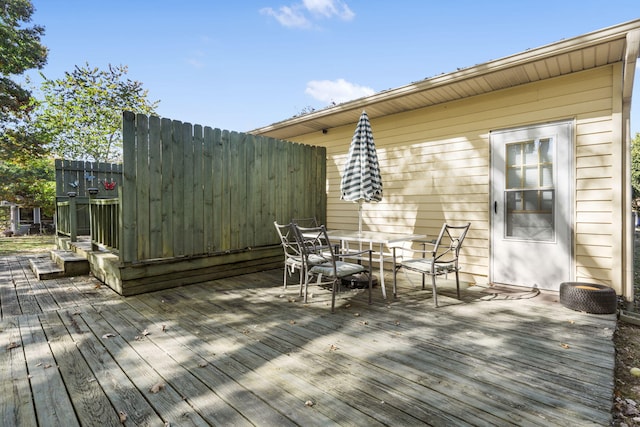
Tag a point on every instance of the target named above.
point(292, 254)
point(314, 241)
point(441, 259)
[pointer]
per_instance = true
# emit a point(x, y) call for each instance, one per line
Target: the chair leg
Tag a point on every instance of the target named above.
point(395, 274)
point(306, 285)
point(284, 282)
point(302, 277)
point(333, 295)
point(458, 283)
point(435, 291)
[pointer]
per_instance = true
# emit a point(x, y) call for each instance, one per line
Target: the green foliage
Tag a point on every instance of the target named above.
point(81, 113)
point(635, 166)
point(29, 184)
point(21, 143)
point(20, 50)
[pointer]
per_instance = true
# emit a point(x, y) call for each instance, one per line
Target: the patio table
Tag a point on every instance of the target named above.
point(376, 240)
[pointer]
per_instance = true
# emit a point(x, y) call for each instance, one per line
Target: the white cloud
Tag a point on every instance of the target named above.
point(296, 15)
point(337, 91)
point(291, 17)
point(329, 8)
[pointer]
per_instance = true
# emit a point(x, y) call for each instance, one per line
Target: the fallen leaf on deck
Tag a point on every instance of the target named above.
point(47, 366)
point(105, 336)
point(145, 332)
point(123, 416)
point(203, 364)
point(292, 322)
point(12, 345)
point(563, 345)
point(164, 328)
point(333, 347)
point(157, 387)
point(309, 403)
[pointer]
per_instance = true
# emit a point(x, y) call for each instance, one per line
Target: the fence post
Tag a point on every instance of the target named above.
point(93, 192)
point(73, 216)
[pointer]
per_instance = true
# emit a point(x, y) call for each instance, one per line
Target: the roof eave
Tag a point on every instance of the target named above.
point(350, 111)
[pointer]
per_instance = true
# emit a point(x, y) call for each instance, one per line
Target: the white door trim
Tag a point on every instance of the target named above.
point(567, 210)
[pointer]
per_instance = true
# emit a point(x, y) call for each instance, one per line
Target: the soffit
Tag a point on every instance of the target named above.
point(589, 51)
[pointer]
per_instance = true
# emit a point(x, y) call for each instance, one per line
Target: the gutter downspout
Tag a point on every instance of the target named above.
point(632, 53)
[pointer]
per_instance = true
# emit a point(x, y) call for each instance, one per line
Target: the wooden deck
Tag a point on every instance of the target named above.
point(241, 351)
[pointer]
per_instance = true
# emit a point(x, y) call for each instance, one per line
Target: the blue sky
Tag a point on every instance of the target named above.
point(245, 64)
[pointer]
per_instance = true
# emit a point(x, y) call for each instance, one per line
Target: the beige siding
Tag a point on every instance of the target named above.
point(435, 168)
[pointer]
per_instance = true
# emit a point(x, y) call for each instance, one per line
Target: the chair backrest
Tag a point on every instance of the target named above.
point(288, 239)
point(306, 222)
point(449, 242)
point(314, 241)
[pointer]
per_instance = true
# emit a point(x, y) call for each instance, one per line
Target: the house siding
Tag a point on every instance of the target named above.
point(435, 165)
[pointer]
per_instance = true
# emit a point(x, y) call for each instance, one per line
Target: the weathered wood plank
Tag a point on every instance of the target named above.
point(205, 390)
point(223, 355)
point(178, 211)
point(52, 403)
point(218, 198)
point(243, 351)
point(189, 198)
point(128, 241)
point(142, 188)
point(123, 394)
point(89, 400)
point(9, 303)
point(167, 188)
point(155, 188)
point(319, 365)
point(197, 189)
point(167, 402)
point(24, 291)
point(16, 401)
point(207, 189)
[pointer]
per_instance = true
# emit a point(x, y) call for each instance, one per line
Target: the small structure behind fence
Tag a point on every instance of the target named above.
point(74, 180)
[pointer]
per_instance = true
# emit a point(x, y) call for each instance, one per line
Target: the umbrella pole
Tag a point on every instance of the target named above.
point(360, 217)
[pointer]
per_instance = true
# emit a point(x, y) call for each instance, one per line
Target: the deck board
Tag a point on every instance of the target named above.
point(243, 351)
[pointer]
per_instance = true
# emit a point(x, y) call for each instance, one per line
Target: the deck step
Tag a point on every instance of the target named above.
point(59, 263)
point(44, 268)
point(72, 263)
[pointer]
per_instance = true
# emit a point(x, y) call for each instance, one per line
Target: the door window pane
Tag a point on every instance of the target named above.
point(529, 192)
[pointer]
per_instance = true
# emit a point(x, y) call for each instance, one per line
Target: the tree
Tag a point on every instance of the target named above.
point(29, 184)
point(81, 113)
point(20, 50)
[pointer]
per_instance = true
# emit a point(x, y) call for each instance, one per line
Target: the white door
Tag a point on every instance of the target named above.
point(531, 206)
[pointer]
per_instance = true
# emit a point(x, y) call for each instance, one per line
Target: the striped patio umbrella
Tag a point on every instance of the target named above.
point(361, 181)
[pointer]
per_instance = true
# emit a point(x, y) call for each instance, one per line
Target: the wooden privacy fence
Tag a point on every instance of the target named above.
point(190, 190)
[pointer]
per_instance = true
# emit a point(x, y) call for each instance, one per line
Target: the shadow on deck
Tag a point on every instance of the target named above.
point(243, 351)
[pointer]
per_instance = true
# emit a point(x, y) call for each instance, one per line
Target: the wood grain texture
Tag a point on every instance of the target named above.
point(243, 351)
